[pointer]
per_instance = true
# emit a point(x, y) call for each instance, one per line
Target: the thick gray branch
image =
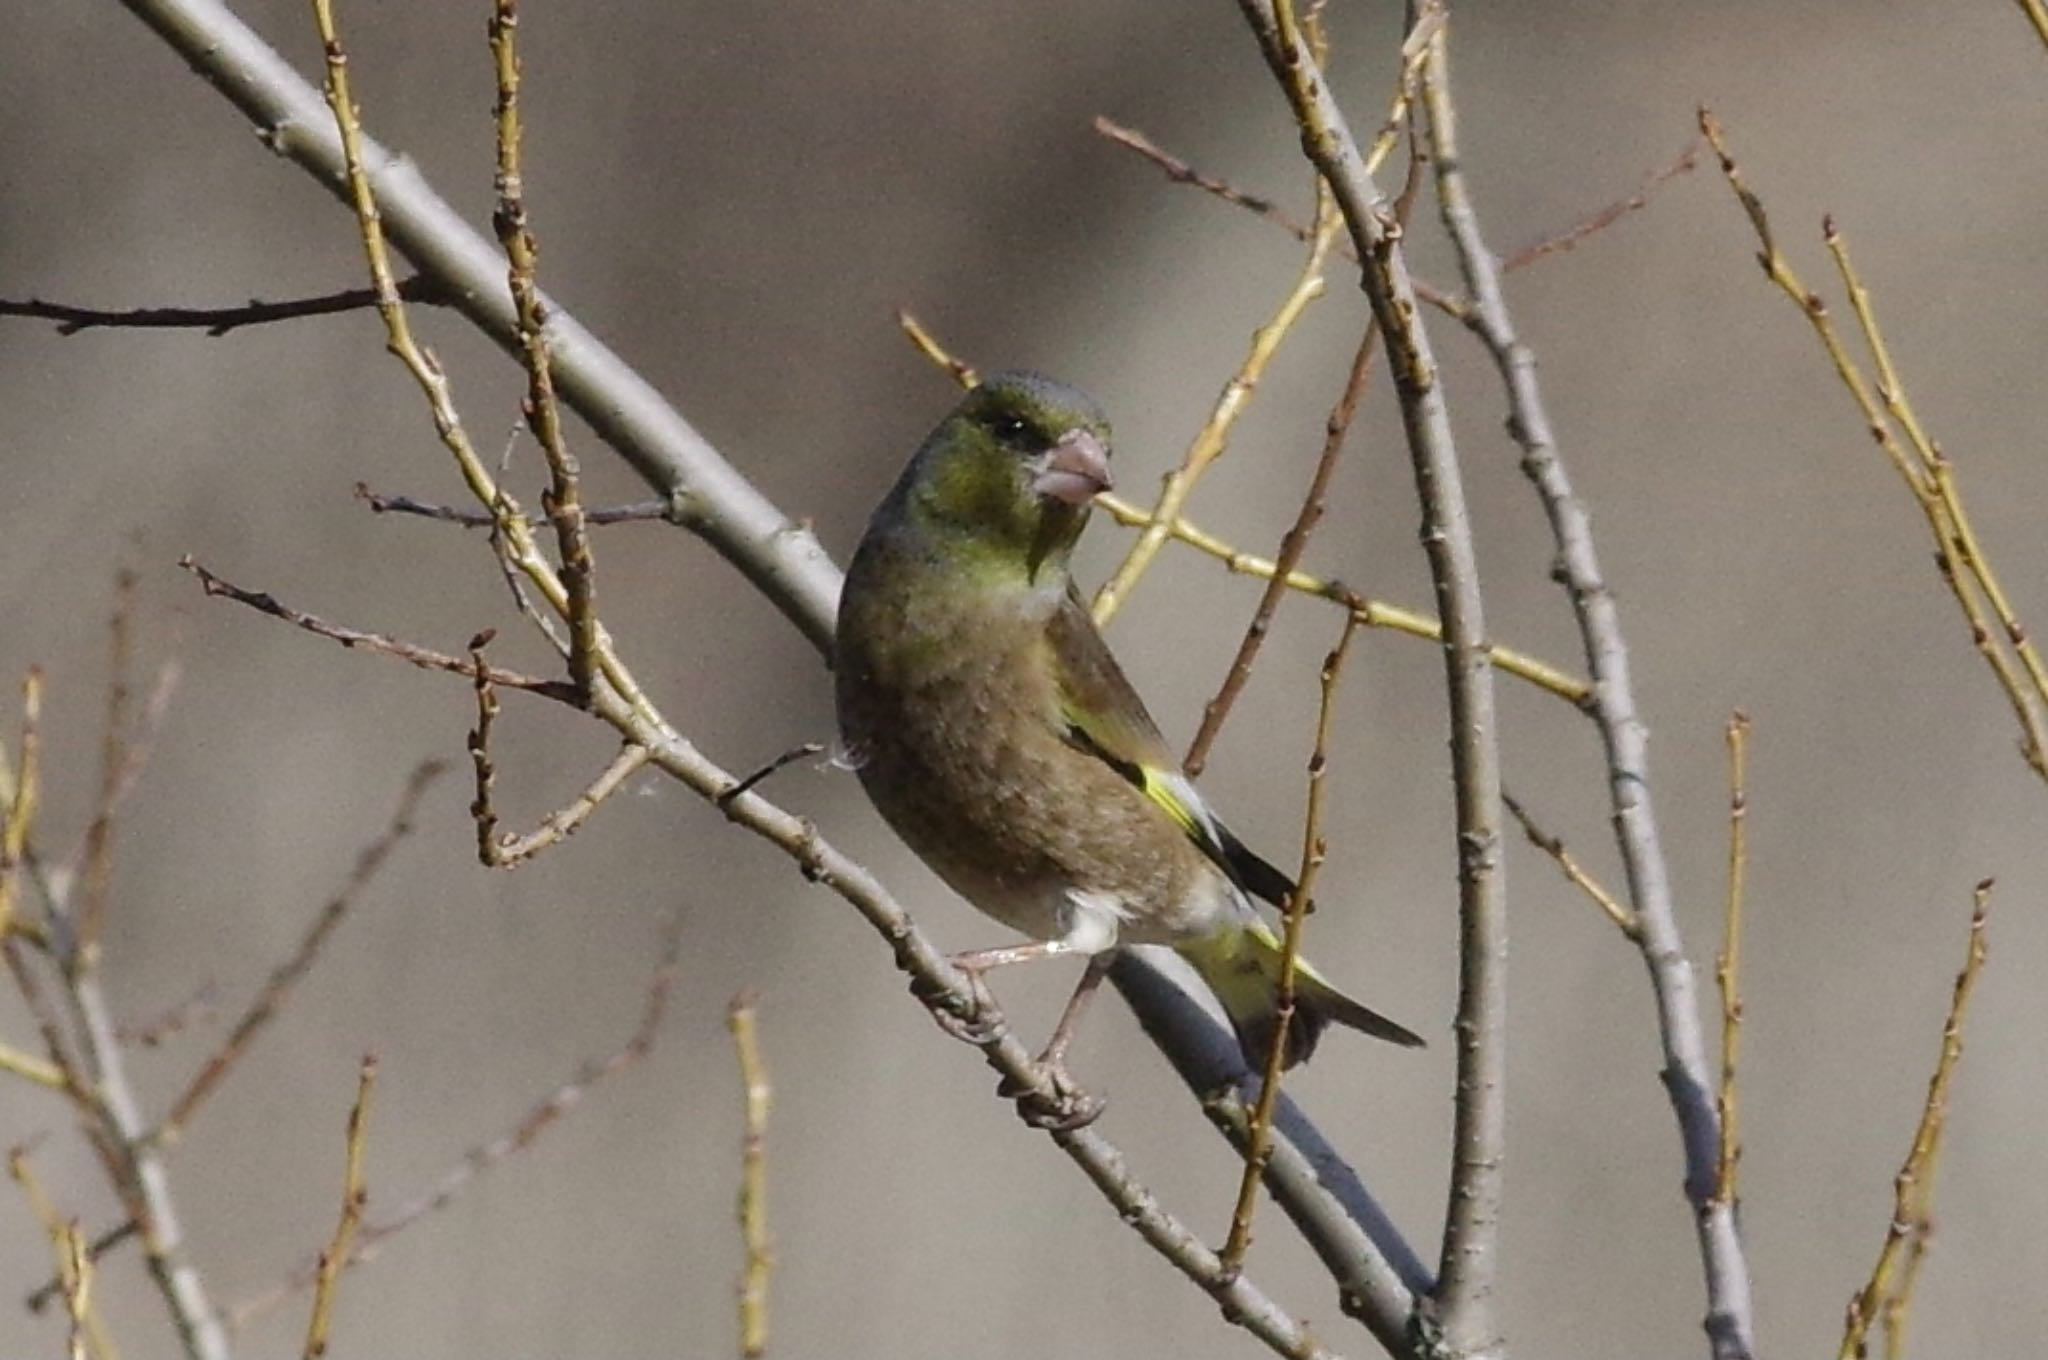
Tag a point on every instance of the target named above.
point(1465, 1292)
point(782, 559)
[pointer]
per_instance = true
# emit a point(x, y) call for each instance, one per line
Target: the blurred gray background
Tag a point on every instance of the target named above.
point(736, 197)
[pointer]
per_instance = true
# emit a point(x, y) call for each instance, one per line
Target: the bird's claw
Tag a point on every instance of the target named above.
point(1062, 1108)
point(980, 1024)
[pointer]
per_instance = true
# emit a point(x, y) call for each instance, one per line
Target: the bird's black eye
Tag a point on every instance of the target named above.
point(1010, 429)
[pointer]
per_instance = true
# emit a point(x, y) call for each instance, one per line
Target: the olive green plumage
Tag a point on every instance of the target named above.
point(997, 735)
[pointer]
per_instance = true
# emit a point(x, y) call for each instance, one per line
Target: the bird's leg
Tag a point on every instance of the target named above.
point(972, 1027)
point(1069, 1107)
point(1055, 1053)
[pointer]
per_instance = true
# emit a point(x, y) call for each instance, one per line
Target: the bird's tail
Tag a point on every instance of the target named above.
point(1242, 966)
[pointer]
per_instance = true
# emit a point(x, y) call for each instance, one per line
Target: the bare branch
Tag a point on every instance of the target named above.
point(1574, 872)
point(1258, 1142)
point(215, 321)
point(1729, 1321)
point(1913, 1188)
point(270, 1000)
point(353, 1196)
point(423, 657)
point(1464, 1294)
point(1292, 545)
point(753, 1211)
point(1728, 966)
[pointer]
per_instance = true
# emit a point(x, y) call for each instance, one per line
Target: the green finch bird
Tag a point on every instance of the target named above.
point(995, 733)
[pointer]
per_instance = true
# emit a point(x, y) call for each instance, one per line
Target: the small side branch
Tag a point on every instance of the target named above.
point(270, 1001)
point(1728, 965)
point(1292, 545)
point(1913, 1188)
point(353, 1197)
point(563, 502)
point(215, 321)
point(1314, 850)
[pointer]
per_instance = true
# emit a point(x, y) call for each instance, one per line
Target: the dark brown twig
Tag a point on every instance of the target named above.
point(631, 512)
point(1601, 218)
point(215, 321)
point(1292, 545)
point(486, 1156)
point(270, 1000)
point(423, 657)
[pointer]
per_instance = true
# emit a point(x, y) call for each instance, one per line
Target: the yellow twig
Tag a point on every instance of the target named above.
point(928, 345)
point(87, 1334)
point(1574, 872)
point(335, 1259)
point(512, 530)
point(1920, 463)
point(753, 1202)
point(1214, 436)
point(1728, 966)
point(1913, 1187)
point(1258, 1142)
point(24, 795)
point(563, 501)
point(2037, 15)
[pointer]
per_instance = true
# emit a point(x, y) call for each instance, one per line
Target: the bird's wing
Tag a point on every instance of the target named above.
point(1105, 718)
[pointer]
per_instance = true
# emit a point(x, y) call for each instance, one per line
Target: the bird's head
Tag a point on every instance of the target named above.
point(1011, 470)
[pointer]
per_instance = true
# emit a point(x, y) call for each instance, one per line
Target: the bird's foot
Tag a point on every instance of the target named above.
point(977, 1023)
point(1063, 1107)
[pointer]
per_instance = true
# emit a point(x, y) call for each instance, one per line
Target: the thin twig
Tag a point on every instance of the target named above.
point(632, 512)
point(1292, 545)
point(53, 1287)
point(423, 657)
point(2015, 663)
point(1180, 172)
point(73, 1283)
point(1372, 613)
point(97, 850)
point(1913, 1187)
point(753, 1199)
point(1574, 872)
point(1314, 850)
point(265, 1006)
point(353, 1197)
point(563, 502)
point(930, 348)
point(1602, 218)
point(1728, 965)
point(484, 1157)
point(24, 796)
point(1214, 436)
point(215, 321)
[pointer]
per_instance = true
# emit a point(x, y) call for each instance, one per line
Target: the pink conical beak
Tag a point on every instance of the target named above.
point(1074, 469)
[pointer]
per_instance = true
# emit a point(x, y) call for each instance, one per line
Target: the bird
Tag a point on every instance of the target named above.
point(994, 731)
